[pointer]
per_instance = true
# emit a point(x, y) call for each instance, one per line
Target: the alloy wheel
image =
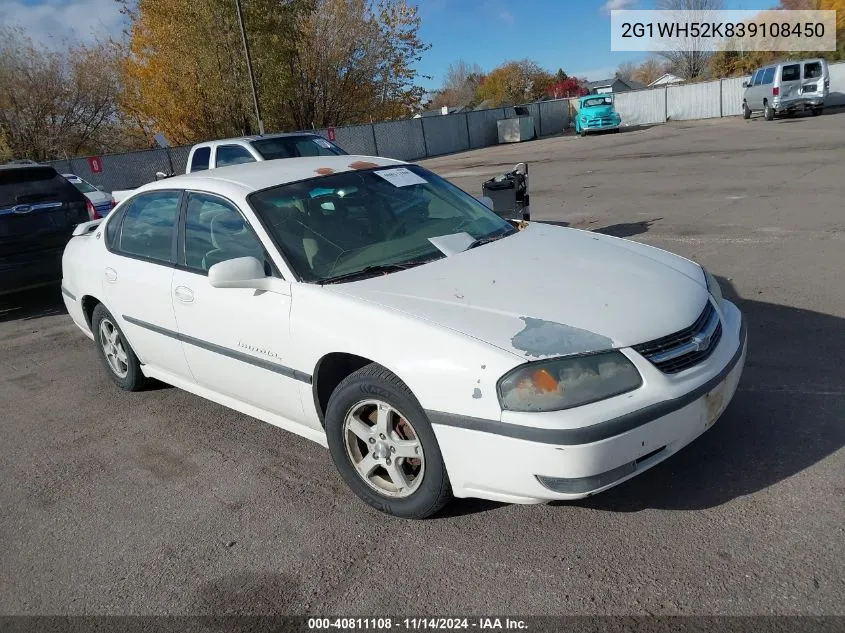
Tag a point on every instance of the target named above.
point(384, 448)
point(112, 345)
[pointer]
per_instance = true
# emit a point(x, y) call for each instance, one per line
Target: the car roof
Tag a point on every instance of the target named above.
point(11, 166)
point(257, 137)
point(248, 177)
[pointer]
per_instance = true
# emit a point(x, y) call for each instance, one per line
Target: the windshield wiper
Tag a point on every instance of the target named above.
point(486, 240)
point(375, 269)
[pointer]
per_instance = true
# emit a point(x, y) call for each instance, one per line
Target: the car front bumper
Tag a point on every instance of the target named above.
point(517, 463)
point(598, 127)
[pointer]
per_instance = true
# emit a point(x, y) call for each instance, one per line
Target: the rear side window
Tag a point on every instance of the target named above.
point(28, 185)
point(232, 155)
point(111, 230)
point(149, 226)
point(812, 70)
point(758, 78)
point(200, 159)
point(791, 72)
point(769, 75)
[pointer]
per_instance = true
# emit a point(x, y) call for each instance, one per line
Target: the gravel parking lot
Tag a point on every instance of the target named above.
point(160, 502)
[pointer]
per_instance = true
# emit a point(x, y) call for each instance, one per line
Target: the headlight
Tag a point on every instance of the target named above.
point(713, 288)
point(563, 383)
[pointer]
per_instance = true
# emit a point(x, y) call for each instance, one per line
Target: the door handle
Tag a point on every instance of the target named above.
point(111, 275)
point(184, 294)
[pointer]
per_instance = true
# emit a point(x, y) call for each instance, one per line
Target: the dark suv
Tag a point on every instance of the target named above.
point(38, 211)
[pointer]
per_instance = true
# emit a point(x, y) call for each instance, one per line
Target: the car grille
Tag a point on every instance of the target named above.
point(601, 121)
point(688, 347)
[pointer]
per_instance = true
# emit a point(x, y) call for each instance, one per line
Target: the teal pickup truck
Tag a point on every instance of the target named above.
point(596, 113)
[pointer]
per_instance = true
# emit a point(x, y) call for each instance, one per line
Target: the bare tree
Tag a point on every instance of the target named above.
point(686, 56)
point(650, 70)
point(460, 85)
point(56, 104)
point(626, 71)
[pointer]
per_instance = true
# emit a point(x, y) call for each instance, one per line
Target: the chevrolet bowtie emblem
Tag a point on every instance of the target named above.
point(701, 342)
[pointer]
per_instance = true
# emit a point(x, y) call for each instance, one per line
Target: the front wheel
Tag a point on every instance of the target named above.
point(383, 446)
point(816, 111)
point(746, 111)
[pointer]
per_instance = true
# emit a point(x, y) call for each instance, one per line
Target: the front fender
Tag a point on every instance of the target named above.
point(446, 370)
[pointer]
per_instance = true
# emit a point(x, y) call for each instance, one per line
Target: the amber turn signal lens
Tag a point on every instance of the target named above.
point(544, 381)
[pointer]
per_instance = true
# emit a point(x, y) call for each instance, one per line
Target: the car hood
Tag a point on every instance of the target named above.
point(597, 111)
point(548, 291)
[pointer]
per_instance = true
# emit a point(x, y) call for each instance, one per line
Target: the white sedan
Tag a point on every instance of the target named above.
point(433, 347)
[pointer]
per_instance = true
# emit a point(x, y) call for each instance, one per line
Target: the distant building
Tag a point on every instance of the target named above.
point(614, 84)
point(665, 80)
point(441, 111)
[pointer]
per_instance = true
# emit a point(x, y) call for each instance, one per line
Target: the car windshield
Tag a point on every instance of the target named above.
point(295, 147)
point(597, 101)
point(83, 186)
point(369, 220)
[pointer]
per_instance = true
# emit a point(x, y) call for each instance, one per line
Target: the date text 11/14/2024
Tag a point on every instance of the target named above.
point(417, 624)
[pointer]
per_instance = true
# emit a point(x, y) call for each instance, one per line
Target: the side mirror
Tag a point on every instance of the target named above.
point(245, 272)
point(160, 175)
point(745, 84)
point(98, 187)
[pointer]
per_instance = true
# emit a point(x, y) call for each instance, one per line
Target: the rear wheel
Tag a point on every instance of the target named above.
point(746, 111)
point(769, 112)
point(384, 447)
point(118, 358)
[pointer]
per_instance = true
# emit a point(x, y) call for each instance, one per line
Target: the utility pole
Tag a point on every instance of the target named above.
point(249, 68)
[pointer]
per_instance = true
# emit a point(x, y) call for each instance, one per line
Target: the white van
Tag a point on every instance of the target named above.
point(787, 87)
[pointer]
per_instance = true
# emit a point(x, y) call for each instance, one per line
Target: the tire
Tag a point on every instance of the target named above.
point(816, 111)
point(769, 112)
point(746, 111)
point(381, 408)
point(582, 132)
point(114, 350)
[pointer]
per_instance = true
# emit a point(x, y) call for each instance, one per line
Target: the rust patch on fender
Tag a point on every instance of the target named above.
point(362, 164)
point(324, 171)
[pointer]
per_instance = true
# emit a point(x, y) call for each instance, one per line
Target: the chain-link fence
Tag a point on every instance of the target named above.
point(414, 139)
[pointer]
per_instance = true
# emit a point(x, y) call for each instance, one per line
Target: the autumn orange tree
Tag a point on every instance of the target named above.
point(515, 82)
point(316, 63)
point(184, 73)
point(353, 61)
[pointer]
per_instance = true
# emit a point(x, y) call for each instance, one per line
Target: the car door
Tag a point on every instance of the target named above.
point(237, 341)
point(790, 82)
point(755, 92)
point(137, 274)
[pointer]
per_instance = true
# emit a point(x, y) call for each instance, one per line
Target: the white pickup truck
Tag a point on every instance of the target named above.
point(249, 149)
